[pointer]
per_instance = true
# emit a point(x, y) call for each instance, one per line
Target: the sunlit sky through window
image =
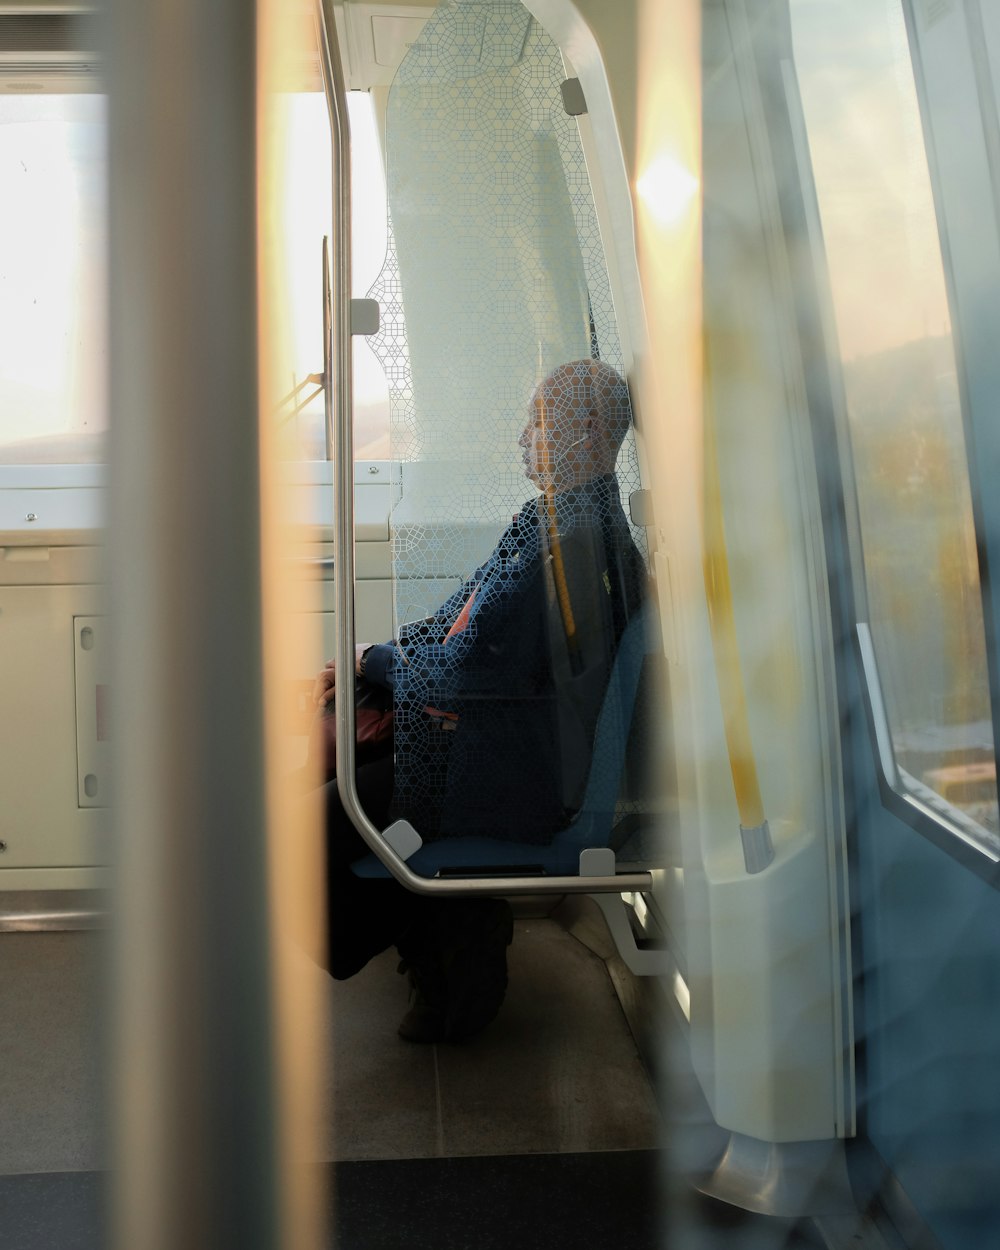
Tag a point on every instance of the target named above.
point(52, 223)
point(53, 354)
point(853, 64)
point(307, 215)
point(865, 142)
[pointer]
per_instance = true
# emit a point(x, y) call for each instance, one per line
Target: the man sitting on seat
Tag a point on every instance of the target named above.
point(496, 699)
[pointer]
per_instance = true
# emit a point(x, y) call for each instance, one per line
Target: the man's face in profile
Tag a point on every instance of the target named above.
point(555, 442)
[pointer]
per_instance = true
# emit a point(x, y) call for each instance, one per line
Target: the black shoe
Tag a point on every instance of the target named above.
point(425, 1021)
point(456, 960)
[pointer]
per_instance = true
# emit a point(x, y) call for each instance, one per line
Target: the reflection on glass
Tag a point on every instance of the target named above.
point(306, 218)
point(369, 240)
point(903, 402)
point(306, 213)
point(52, 318)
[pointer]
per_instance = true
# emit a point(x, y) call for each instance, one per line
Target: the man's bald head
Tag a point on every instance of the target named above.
point(579, 417)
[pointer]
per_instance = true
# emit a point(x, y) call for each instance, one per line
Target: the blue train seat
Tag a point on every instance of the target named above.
point(594, 823)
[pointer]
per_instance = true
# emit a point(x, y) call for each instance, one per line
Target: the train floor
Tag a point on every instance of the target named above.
point(544, 1131)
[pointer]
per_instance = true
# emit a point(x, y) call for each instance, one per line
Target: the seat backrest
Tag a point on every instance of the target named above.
point(611, 737)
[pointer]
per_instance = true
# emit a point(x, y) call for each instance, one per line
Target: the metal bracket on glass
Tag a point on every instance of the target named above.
point(403, 838)
point(294, 396)
point(364, 317)
point(573, 99)
point(758, 848)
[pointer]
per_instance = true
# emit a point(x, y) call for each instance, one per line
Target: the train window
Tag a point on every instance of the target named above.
point(904, 413)
point(52, 307)
point(369, 242)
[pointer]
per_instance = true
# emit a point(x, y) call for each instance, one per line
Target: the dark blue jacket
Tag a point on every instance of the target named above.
point(515, 695)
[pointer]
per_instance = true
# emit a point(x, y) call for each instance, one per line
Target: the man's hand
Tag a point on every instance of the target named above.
point(325, 685)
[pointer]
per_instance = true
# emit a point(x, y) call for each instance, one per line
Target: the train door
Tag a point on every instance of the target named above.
point(849, 287)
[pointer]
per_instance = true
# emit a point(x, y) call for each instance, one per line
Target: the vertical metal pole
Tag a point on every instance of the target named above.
point(340, 432)
point(191, 1063)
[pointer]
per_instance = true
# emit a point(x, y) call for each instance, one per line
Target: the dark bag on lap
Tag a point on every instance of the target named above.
point(374, 728)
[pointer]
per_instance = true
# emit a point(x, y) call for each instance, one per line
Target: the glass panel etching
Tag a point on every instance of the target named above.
point(502, 356)
point(494, 275)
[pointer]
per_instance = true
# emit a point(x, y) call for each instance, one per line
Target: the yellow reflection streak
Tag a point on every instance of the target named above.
point(668, 236)
point(666, 375)
point(722, 618)
point(294, 835)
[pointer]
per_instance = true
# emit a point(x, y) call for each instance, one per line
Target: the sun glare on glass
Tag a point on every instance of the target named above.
point(667, 189)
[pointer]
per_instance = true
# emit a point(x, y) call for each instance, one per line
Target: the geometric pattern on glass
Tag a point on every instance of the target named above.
point(494, 275)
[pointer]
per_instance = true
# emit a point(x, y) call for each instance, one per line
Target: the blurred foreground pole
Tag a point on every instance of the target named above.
point(195, 1110)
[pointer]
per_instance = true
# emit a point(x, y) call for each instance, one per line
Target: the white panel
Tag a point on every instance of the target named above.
point(40, 817)
point(66, 509)
point(55, 878)
point(392, 37)
point(69, 498)
point(762, 1033)
point(377, 37)
point(93, 710)
point(52, 476)
point(761, 947)
point(310, 496)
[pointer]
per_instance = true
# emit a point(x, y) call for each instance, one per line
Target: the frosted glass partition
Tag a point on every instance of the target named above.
point(495, 275)
point(518, 582)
